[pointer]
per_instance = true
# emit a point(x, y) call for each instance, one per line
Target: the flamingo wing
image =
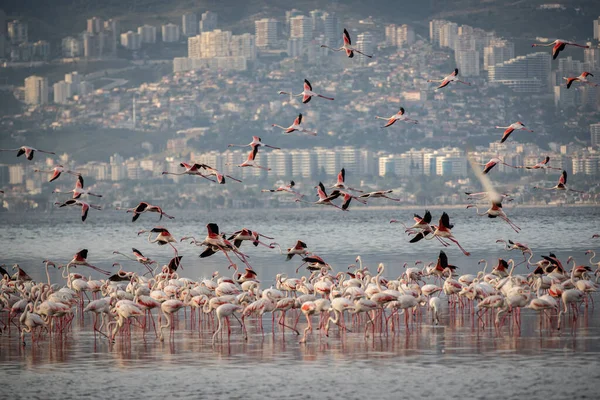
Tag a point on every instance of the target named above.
point(213, 229)
point(546, 160)
point(488, 167)
point(174, 263)
point(55, 175)
point(563, 178)
point(347, 39)
point(427, 217)
point(445, 221)
point(298, 120)
point(20, 152)
point(390, 122)
point(506, 134)
point(455, 72)
point(79, 183)
point(307, 85)
point(306, 98)
point(570, 82)
point(29, 153)
point(444, 83)
point(558, 47)
point(341, 176)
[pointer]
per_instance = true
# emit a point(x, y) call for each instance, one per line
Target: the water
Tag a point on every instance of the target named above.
point(454, 359)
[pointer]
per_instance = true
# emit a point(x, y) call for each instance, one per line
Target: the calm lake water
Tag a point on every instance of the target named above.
point(454, 359)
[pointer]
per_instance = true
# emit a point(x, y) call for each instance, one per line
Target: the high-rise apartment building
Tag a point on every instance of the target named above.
point(332, 29)
point(170, 33)
point(131, 40)
point(17, 32)
point(595, 134)
point(301, 28)
point(591, 57)
point(71, 47)
point(147, 33)
point(266, 32)
point(524, 74)
point(36, 90)
point(498, 51)
point(243, 45)
point(364, 43)
point(597, 29)
point(62, 92)
point(208, 22)
point(189, 24)
point(405, 36)
point(95, 25)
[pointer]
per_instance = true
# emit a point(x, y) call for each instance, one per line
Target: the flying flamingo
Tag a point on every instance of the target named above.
point(163, 237)
point(496, 211)
point(443, 231)
point(145, 207)
point(28, 151)
point(541, 165)
point(453, 77)
point(284, 188)
point(190, 169)
point(256, 141)
point(559, 45)
point(341, 182)
point(85, 207)
point(315, 263)
point(515, 126)
point(347, 47)
point(246, 234)
point(324, 199)
point(380, 194)
point(56, 171)
point(215, 242)
point(581, 78)
point(215, 172)
point(251, 160)
point(399, 116)
point(307, 93)
point(561, 185)
point(296, 127)
point(79, 190)
point(80, 258)
point(139, 257)
point(492, 163)
point(300, 248)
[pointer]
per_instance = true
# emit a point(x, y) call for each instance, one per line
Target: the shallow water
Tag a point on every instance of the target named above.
point(454, 359)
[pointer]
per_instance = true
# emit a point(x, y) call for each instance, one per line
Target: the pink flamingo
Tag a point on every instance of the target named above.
point(492, 163)
point(251, 160)
point(559, 45)
point(581, 78)
point(256, 141)
point(296, 127)
point(496, 211)
point(307, 93)
point(561, 185)
point(347, 46)
point(453, 77)
point(79, 190)
point(515, 126)
point(190, 169)
point(145, 207)
point(85, 207)
point(56, 171)
point(399, 116)
point(443, 231)
point(28, 151)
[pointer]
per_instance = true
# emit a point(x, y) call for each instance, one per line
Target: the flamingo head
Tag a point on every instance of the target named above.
point(48, 262)
point(500, 241)
point(481, 261)
point(588, 252)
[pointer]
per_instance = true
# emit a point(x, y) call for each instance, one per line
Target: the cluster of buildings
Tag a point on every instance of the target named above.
point(15, 44)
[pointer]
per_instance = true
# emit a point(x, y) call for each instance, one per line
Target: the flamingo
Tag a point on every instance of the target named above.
point(139, 257)
point(246, 234)
point(515, 126)
point(85, 207)
point(163, 237)
point(256, 141)
point(541, 165)
point(29, 321)
point(169, 308)
point(296, 127)
point(581, 78)
point(453, 77)
point(559, 45)
point(56, 171)
point(421, 223)
point(79, 190)
point(251, 160)
point(399, 116)
point(80, 258)
point(307, 93)
point(380, 194)
point(220, 176)
point(496, 211)
point(510, 245)
point(347, 46)
point(28, 151)
point(324, 199)
point(492, 163)
point(561, 185)
point(284, 188)
point(341, 182)
point(224, 311)
point(145, 207)
point(315, 263)
point(215, 242)
point(190, 169)
point(300, 248)
point(443, 231)
point(125, 309)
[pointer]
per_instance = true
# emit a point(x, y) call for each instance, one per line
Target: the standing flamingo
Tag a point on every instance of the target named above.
point(559, 45)
point(28, 151)
point(399, 116)
point(224, 311)
point(307, 93)
point(169, 308)
point(56, 171)
point(515, 126)
point(347, 47)
point(296, 127)
point(561, 185)
point(145, 207)
point(453, 77)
